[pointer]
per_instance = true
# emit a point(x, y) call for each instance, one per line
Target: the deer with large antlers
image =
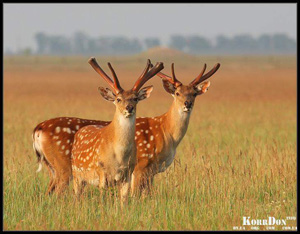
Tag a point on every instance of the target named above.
point(163, 134)
point(107, 155)
point(156, 138)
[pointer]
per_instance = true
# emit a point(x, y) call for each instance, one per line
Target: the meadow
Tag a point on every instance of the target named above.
point(238, 158)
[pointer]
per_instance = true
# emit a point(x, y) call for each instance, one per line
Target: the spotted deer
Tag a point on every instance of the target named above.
point(106, 156)
point(156, 138)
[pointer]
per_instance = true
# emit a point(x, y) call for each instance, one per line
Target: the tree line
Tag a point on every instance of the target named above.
point(81, 43)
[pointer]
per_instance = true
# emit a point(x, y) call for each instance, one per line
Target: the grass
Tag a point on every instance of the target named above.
point(237, 159)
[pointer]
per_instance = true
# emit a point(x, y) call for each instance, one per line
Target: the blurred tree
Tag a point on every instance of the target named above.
point(42, 42)
point(223, 44)
point(178, 42)
point(197, 44)
point(94, 46)
point(151, 42)
point(80, 43)
point(119, 45)
point(59, 45)
point(244, 44)
point(136, 46)
point(265, 44)
point(282, 43)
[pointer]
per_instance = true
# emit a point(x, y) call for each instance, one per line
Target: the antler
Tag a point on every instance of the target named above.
point(200, 78)
point(172, 79)
point(115, 84)
point(146, 74)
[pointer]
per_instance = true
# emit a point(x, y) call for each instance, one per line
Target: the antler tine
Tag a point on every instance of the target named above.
point(117, 85)
point(195, 81)
point(208, 74)
point(172, 79)
point(92, 61)
point(176, 82)
point(164, 76)
point(154, 70)
point(149, 64)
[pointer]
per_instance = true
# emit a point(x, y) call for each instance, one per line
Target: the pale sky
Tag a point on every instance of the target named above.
point(22, 21)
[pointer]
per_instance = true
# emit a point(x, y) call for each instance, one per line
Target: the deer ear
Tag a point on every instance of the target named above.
point(170, 88)
point(203, 87)
point(107, 94)
point(145, 92)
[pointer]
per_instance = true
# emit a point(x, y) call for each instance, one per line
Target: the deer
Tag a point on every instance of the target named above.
point(53, 140)
point(162, 134)
point(156, 137)
point(106, 156)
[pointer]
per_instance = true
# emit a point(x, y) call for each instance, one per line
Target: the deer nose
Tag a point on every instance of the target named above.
point(129, 108)
point(188, 104)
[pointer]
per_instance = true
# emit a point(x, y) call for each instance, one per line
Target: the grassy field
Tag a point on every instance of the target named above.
point(237, 159)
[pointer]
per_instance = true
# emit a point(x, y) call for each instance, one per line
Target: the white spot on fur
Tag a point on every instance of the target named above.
point(151, 138)
point(57, 129)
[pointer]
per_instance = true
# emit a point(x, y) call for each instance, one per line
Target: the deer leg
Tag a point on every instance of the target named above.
point(136, 183)
point(52, 183)
point(148, 182)
point(63, 182)
point(124, 191)
point(78, 186)
point(102, 181)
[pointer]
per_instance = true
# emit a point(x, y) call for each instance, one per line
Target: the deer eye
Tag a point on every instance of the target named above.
point(177, 94)
point(195, 94)
point(118, 99)
point(135, 99)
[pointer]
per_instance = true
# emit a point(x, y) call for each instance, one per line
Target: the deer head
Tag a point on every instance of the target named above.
point(185, 95)
point(126, 100)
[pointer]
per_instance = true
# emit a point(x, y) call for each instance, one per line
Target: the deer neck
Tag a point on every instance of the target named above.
point(123, 128)
point(176, 122)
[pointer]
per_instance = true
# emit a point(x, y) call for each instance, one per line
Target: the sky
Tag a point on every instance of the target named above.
point(22, 21)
